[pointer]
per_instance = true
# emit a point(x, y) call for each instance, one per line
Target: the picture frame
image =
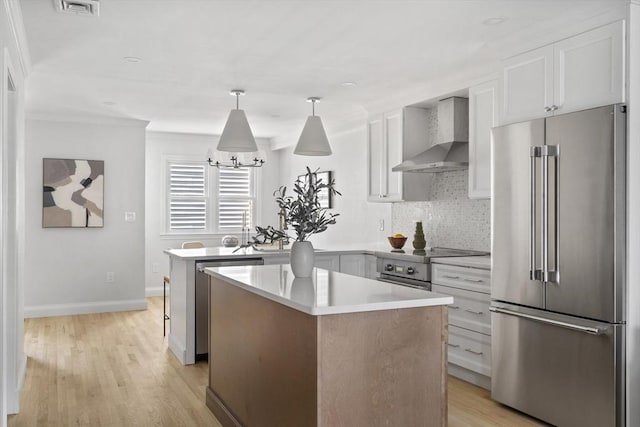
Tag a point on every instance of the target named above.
point(72, 193)
point(324, 197)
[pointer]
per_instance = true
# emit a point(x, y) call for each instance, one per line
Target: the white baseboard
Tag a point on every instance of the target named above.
point(154, 291)
point(470, 376)
point(178, 349)
point(13, 398)
point(14, 406)
point(83, 308)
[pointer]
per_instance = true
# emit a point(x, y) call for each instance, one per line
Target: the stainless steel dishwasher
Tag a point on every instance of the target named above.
point(202, 298)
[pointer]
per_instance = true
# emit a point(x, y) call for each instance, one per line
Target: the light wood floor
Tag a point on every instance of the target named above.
point(115, 369)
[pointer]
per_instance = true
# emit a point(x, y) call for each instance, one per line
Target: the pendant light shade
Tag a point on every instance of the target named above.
point(237, 136)
point(313, 140)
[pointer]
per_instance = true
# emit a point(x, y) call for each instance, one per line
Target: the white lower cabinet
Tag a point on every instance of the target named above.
point(328, 262)
point(470, 350)
point(469, 346)
point(352, 264)
point(361, 265)
point(370, 266)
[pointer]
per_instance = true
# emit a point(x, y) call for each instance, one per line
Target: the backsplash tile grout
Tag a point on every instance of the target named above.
point(450, 219)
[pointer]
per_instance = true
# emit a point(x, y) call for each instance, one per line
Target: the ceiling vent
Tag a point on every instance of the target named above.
point(78, 7)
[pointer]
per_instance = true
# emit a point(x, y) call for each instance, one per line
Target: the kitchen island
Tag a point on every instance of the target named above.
point(185, 300)
point(329, 350)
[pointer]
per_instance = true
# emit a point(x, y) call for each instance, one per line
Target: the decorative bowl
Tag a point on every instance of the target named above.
point(229, 241)
point(397, 242)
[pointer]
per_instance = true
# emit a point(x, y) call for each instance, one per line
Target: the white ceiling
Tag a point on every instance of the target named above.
point(281, 52)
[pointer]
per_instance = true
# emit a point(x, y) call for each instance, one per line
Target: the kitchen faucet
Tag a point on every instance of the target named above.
point(282, 226)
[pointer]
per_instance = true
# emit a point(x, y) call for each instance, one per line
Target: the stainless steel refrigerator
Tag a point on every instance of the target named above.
point(558, 267)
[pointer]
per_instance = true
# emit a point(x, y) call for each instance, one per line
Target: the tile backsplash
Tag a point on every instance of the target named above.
point(449, 219)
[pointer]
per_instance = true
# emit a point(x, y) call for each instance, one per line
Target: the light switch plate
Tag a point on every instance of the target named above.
point(130, 216)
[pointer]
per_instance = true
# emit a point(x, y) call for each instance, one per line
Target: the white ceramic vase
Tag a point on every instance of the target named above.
point(302, 259)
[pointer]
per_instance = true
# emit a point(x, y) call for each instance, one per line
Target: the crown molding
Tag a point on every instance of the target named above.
point(101, 120)
point(16, 25)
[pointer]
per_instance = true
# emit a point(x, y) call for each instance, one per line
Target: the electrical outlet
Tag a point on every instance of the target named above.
point(111, 277)
point(381, 222)
point(130, 217)
point(155, 267)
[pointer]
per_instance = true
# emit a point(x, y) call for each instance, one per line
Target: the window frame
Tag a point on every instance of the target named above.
point(212, 179)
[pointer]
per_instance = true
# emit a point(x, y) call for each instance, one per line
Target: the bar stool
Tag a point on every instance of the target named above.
point(166, 281)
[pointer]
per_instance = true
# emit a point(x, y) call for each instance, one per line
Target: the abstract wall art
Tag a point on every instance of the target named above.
point(72, 193)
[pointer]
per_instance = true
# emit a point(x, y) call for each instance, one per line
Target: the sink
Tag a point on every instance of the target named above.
point(271, 249)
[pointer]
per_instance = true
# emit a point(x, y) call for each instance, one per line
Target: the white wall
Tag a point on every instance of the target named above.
point(159, 145)
point(358, 222)
point(67, 266)
point(12, 356)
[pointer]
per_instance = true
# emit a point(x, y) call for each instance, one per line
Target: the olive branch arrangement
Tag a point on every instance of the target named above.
point(301, 212)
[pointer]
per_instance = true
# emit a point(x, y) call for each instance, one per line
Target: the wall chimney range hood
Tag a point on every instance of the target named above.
point(451, 152)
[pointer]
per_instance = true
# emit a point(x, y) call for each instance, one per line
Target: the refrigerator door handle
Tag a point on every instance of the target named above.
point(546, 152)
point(578, 328)
point(544, 238)
point(533, 272)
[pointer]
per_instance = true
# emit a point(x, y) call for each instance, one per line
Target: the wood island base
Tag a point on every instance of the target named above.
point(272, 365)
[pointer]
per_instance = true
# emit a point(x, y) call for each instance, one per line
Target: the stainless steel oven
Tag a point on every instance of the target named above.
point(414, 269)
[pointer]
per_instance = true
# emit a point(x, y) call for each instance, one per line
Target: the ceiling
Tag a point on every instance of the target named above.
point(193, 52)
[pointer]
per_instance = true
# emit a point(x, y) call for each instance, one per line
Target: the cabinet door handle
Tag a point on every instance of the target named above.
point(473, 280)
point(453, 345)
point(473, 312)
point(547, 109)
point(454, 307)
point(450, 277)
point(477, 353)
point(554, 107)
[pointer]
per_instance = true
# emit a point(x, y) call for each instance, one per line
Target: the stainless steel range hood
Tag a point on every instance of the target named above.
point(451, 152)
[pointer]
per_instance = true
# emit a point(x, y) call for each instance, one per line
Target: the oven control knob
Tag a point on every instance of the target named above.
point(410, 270)
point(388, 267)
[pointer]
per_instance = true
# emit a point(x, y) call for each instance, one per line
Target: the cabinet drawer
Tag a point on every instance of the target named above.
point(471, 350)
point(473, 279)
point(469, 310)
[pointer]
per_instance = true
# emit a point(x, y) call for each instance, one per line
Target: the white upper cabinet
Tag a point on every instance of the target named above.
point(580, 72)
point(377, 163)
point(482, 117)
point(393, 123)
point(527, 85)
point(392, 138)
point(589, 69)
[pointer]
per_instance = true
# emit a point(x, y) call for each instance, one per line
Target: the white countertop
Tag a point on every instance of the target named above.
point(483, 262)
point(326, 292)
point(232, 253)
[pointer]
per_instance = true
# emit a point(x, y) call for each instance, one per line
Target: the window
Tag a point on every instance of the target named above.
point(235, 198)
point(187, 197)
point(202, 199)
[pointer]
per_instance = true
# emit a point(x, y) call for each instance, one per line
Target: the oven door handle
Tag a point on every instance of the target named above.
point(425, 287)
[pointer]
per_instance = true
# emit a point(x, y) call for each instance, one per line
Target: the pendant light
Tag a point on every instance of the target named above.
point(313, 139)
point(237, 138)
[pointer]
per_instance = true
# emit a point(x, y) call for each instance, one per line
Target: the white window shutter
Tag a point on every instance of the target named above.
point(235, 198)
point(187, 197)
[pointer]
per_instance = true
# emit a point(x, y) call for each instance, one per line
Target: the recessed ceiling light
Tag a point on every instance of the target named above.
point(494, 21)
point(109, 103)
point(348, 84)
point(132, 59)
